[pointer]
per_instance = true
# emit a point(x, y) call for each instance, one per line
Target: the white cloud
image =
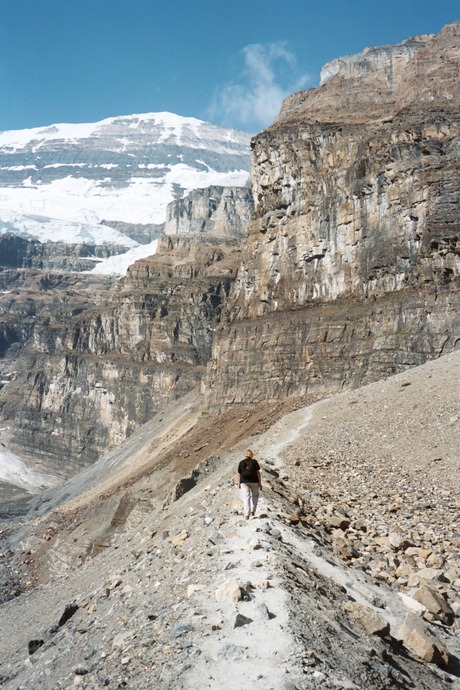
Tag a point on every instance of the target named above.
point(270, 73)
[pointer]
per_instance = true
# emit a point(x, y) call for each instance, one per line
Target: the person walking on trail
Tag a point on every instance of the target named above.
point(249, 482)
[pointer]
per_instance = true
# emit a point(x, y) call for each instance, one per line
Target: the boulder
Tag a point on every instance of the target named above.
point(230, 590)
point(435, 604)
point(371, 620)
point(179, 539)
point(419, 639)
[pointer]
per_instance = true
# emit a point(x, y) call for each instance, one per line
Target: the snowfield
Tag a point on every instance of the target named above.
point(44, 229)
point(118, 265)
point(14, 471)
point(144, 200)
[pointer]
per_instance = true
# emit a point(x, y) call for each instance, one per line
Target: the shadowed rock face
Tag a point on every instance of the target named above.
point(86, 360)
point(351, 269)
point(19, 252)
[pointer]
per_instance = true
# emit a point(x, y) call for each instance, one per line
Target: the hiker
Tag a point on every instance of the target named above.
point(249, 482)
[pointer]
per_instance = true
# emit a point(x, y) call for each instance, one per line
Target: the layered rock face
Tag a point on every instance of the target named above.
point(86, 360)
point(220, 211)
point(351, 267)
point(19, 252)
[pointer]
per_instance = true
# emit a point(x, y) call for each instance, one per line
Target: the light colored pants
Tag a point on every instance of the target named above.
point(250, 496)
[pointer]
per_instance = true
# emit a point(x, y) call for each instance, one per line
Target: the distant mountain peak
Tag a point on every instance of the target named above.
point(125, 168)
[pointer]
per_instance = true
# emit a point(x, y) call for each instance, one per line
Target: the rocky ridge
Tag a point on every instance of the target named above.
point(305, 595)
point(216, 211)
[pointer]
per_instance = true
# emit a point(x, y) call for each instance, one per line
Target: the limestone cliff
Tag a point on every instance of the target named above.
point(351, 268)
point(86, 360)
point(220, 211)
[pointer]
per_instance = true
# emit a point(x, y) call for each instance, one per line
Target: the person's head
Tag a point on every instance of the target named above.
point(249, 454)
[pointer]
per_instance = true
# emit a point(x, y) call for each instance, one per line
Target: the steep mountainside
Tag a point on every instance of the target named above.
point(85, 360)
point(140, 571)
point(351, 268)
point(145, 575)
point(93, 359)
point(348, 271)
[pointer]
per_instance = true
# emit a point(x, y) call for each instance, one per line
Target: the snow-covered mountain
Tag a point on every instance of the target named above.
point(60, 183)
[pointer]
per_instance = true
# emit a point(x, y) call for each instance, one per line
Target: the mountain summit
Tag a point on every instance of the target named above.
point(119, 169)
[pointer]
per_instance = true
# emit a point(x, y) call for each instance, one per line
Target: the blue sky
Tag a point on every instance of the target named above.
point(226, 62)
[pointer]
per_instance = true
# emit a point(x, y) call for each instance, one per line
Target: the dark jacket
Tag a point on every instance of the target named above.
point(250, 476)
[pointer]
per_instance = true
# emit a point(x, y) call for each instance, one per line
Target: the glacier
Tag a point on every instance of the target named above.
point(68, 182)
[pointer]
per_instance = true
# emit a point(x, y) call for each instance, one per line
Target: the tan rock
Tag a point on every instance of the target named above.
point(191, 589)
point(416, 637)
point(254, 544)
point(399, 540)
point(114, 583)
point(230, 590)
point(413, 580)
point(338, 521)
point(371, 620)
point(435, 604)
point(451, 574)
point(430, 574)
point(343, 549)
point(179, 539)
point(435, 560)
point(294, 519)
point(264, 584)
point(235, 505)
point(404, 570)
point(418, 552)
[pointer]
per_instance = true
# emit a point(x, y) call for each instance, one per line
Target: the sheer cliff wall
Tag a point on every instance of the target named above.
point(218, 211)
point(351, 267)
point(85, 360)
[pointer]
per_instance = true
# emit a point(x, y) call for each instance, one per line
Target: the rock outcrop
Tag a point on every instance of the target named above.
point(351, 267)
point(219, 211)
point(19, 252)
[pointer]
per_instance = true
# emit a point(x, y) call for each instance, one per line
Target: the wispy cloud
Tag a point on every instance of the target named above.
point(270, 73)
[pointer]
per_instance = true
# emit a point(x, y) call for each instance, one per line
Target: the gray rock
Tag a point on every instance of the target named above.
point(241, 620)
point(261, 611)
point(230, 652)
point(215, 538)
point(180, 628)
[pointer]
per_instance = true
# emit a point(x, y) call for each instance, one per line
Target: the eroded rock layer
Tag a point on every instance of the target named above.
point(220, 211)
point(87, 360)
point(351, 269)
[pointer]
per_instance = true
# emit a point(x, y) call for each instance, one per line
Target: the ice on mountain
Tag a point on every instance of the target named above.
point(13, 470)
point(118, 265)
point(64, 182)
